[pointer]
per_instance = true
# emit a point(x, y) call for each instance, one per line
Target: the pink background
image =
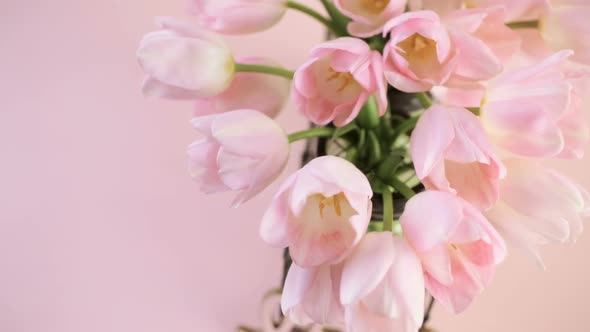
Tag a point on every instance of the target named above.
point(101, 229)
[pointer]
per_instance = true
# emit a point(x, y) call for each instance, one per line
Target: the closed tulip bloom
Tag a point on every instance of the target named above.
point(535, 111)
point(337, 80)
point(369, 16)
point(424, 51)
point(241, 151)
point(238, 16)
point(457, 246)
point(311, 295)
point(451, 152)
point(538, 206)
point(259, 91)
point(565, 26)
point(321, 212)
point(181, 60)
point(382, 286)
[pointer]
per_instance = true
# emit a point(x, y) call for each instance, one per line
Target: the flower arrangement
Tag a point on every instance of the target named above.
point(441, 109)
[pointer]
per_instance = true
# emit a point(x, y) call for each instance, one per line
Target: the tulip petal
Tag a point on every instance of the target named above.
point(475, 59)
point(437, 263)
point(430, 139)
point(298, 281)
point(427, 227)
point(366, 267)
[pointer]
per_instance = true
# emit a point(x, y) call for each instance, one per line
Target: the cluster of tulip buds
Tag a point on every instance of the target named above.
point(501, 86)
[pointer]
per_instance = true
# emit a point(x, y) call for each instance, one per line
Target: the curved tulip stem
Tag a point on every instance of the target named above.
point(523, 25)
point(306, 10)
point(340, 21)
point(424, 99)
point(311, 133)
point(402, 188)
point(387, 195)
point(252, 68)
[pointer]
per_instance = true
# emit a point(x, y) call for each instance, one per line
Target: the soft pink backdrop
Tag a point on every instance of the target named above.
point(101, 229)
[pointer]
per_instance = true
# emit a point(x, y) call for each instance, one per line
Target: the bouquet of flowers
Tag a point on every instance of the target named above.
point(428, 122)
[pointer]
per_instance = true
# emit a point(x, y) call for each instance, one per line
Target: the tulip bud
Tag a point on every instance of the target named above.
point(180, 59)
point(241, 151)
point(238, 16)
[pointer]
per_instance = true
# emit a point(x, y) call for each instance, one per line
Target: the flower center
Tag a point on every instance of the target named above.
point(420, 52)
point(417, 47)
point(374, 6)
point(337, 87)
point(344, 80)
point(332, 203)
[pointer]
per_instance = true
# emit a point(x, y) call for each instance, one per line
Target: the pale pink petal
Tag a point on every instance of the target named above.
point(476, 60)
point(408, 285)
point(458, 296)
point(238, 17)
point(430, 139)
point(193, 63)
point(367, 266)
point(566, 27)
point(321, 299)
point(424, 228)
point(437, 263)
point(297, 284)
point(522, 128)
point(274, 227)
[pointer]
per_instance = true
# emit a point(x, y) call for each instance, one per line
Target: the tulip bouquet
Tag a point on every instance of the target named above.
point(430, 120)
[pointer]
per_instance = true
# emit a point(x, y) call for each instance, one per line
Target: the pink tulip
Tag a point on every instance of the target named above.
point(369, 16)
point(311, 295)
point(241, 151)
point(382, 286)
point(441, 7)
point(537, 206)
point(424, 51)
point(451, 152)
point(321, 212)
point(337, 80)
point(485, 27)
point(458, 247)
point(238, 16)
point(262, 92)
point(184, 62)
point(565, 26)
point(536, 111)
point(516, 10)
point(419, 54)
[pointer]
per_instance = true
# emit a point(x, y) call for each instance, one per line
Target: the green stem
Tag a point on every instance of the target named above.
point(424, 99)
point(375, 147)
point(368, 117)
point(252, 68)
point(375, 226)
point(402, 188)
point(311, 133)
point(387, 195)
point(405, 127)
point(523, 25)
point(339, 20)
point(306, 10)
